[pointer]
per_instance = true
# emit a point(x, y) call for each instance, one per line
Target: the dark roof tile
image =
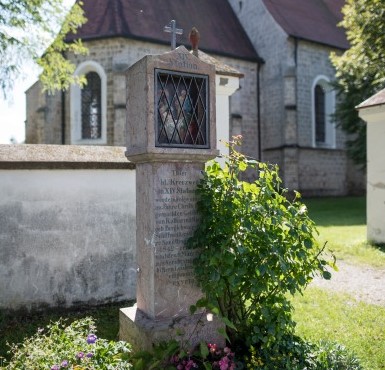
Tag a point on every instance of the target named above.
point(221, 32)
point(312, 20)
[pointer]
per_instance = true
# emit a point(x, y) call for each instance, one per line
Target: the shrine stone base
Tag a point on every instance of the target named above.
point(143, 332)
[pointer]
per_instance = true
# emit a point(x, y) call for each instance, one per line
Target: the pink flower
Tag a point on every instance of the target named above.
point(212, 347)
point(224, 363)
point(191, 364)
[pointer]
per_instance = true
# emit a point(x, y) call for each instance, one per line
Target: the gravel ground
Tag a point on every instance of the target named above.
point(364, 283)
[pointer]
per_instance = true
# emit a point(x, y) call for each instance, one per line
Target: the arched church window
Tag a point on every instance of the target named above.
point(323, 108)
point(319, 114)
point(89, 106)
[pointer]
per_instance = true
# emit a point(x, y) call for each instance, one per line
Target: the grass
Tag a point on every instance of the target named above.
point(339, 318)
point(341, 223)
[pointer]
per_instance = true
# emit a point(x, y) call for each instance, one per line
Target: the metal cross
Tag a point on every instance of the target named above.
point(171, 28)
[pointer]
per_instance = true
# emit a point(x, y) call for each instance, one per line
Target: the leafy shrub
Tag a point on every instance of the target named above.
point(295, 354)
point(255, 247)
point(69, 347)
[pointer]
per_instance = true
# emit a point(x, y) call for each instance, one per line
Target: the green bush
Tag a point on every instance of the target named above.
point(295, 354)
point(69, 347)
point(256, 246)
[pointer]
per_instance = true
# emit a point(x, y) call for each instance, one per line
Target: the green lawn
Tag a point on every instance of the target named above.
point(338, 317)
point(341, 223)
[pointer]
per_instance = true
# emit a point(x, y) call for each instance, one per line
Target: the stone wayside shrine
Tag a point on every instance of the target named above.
point(171, 133)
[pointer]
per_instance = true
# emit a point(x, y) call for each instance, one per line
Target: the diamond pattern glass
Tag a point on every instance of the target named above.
point(91, 107)
point(181, 105)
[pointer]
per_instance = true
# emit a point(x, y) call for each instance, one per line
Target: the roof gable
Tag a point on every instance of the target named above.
point(221, 32)
point(374, 100)
point(312, 20)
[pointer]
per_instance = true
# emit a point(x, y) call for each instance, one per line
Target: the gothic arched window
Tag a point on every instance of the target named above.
point(319, 114)
point(323, 108)
point(89, 105)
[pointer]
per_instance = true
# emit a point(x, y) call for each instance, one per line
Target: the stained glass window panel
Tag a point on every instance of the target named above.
point(181, 104)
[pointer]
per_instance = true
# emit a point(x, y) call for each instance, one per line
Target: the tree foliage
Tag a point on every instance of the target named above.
point(35, 30)
point(360, 69)
point(255, 247)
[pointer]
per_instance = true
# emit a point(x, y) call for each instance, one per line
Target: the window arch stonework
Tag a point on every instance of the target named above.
point(88, 106)
point(323, 105)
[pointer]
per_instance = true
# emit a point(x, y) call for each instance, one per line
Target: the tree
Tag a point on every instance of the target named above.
point(360, 69)
point(35, 30)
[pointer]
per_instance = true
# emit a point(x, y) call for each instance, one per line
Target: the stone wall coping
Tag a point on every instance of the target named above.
point(36, 156)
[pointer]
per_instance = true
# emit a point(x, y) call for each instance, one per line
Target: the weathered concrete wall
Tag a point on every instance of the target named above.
point(67, 226)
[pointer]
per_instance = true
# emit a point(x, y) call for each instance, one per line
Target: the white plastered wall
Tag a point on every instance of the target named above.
point(225, 87)
point(375, 208)
point(67, 237)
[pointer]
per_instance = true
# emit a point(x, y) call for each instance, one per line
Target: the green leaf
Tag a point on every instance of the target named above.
point(203, 349)
point(308, 243)
point(207, 366)
point(228, 323)
point(326, 275)
point(223, 333)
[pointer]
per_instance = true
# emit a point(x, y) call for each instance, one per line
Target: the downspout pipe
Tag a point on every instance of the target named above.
point(259, 129)
point(63, 117)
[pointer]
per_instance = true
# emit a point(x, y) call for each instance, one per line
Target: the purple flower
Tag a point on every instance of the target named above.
point(89, 354)
point(64, 363)
point(80, 355)
point(91, 339)
point(55, 367)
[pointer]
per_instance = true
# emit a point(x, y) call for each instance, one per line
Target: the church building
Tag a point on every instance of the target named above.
point(282, 107)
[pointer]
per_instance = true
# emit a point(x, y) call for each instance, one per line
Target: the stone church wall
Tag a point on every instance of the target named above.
point(321, 170)
point(313, 61)
point(290, 68)
point(115, 56)
point(270, 42)
point(286, 80)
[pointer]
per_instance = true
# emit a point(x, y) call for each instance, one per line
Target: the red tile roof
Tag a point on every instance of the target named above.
point(221, 33)
point(312, 20)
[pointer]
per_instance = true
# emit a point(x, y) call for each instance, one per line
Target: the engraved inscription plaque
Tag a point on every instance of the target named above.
point(175, 220)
